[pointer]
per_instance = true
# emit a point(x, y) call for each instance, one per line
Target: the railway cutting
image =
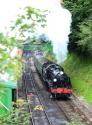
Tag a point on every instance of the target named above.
point(43, 109)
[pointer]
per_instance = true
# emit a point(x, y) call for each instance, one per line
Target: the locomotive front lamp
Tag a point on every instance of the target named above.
point(61, 72)
point(55, 80)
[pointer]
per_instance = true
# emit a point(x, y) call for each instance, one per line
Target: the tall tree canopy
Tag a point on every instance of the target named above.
point(81, 38)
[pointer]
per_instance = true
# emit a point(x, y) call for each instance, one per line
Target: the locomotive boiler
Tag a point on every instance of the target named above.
point(54, 77)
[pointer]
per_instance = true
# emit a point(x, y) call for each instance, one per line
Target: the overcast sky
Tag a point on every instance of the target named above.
point(9, 9)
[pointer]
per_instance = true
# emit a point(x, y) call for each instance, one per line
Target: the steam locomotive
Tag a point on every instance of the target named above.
point(54, 77)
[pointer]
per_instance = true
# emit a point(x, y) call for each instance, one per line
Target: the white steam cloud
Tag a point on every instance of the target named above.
point(58, 26)
point(58, 29)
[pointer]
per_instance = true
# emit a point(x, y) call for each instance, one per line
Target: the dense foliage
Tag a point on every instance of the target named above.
point(81, 38)
point(14, 118)
point(9, 61)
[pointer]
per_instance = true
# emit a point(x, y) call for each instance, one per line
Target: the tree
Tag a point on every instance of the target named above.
point(27, 23)
point(9, 63)
point(85, 34)
point(81, 24)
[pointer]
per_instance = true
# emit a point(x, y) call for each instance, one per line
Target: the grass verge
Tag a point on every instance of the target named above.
point(80, 72)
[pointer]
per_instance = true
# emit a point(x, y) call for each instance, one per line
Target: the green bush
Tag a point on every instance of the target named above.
point(18, 116)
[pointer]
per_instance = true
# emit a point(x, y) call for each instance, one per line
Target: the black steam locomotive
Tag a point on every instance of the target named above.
point(56, 80)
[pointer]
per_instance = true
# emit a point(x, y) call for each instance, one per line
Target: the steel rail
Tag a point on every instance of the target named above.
point(33, 81)
point(33, 85)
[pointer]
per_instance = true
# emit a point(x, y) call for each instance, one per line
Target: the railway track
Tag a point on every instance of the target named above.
point(38, 106)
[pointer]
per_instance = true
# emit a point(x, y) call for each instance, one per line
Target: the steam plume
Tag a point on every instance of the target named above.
point(58, 27)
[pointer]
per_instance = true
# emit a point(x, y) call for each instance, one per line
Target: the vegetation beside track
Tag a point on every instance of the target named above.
point(80, 72)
